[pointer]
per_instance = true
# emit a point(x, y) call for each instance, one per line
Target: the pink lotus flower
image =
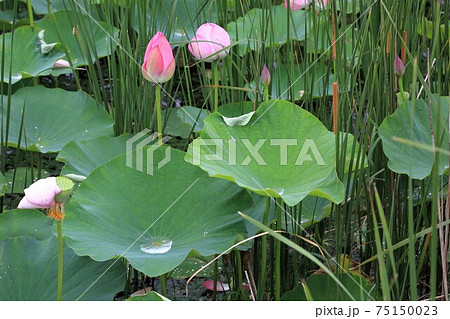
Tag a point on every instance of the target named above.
point(61, 64)
point(40, 194)
point(209, 40)
point(265, 76)
point(159, 64)
point(297, 4)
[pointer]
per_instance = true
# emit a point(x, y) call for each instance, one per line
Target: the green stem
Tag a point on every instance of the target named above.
point(278, 254)
point(411, 244)
point(158, 113)
point(262, 278)
point(30, 12)
point(216, 86)
point(400, 86)
point(163, 280)
point(266, 93)
point(39, 165)
point(60, 260)
point(239, 289)
point(216, 270)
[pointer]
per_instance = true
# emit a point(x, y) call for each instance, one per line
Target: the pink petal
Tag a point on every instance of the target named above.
point(200, 48)
point(167, 73)
point(204, 30)
point(153, 65)
point(297, 4)
point(41, 193)
point(209, 284)
point(61, 64)
point(26, 204)
point(220, 39)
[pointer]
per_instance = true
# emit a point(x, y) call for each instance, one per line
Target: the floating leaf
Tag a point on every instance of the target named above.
point(54, 117)
point(100, 35)
point(181, 121)
point(82, 157)
point(150, 296)
point(323, 288)
point(284, 151)
point(411, 122)
point(29, 261)
point(107, 218)
point(25, 51)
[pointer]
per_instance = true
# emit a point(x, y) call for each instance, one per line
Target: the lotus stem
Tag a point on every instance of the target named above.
point(262, 276)
point(266, 93)
point(400, 86)
point(163, 280)
point(60, 260)
point(278, 254)
point(216, 270)
point(216, 86)
point(158, 113)
point(30, 12)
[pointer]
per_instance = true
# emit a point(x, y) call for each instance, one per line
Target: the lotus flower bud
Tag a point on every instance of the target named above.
point(265, 76)
point(399, 68)
point(159, 63)
point(209, 43)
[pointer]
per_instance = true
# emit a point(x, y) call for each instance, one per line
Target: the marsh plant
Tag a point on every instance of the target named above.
point(241, 150)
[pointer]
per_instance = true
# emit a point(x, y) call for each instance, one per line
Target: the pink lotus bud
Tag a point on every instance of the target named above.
point(265, 76)
point(399, 68)
point(297, 4)
point(209, 40)
point(40, 194)
point(159, 64)
point(61, 64)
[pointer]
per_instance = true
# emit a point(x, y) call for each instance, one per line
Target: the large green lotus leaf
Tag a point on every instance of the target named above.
point(193, 117)
point(246, 30)
point(26, 52)
point(252, 156)
point(153, 220)
point(151, 296)
point(41, 6)
point(100, 35)
point(54, 117)
point(29, 261)
point(237, 109)
point(178, 20)
point(324, 288)
point(303, 78)
point(411, 122)
point(82, 157)
point(180, 121)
